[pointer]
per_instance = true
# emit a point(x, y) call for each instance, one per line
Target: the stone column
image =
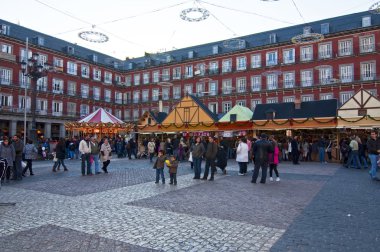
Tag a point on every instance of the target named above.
point(62, 130)
point(47, 130)
point(12, 128)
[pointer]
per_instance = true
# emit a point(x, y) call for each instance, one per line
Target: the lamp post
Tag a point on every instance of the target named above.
point(34, 70)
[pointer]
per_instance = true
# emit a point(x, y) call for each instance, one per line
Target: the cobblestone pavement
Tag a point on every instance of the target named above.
point(313, 208)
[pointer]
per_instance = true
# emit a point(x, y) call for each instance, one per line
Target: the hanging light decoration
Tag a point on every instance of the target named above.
point(307, 38)
point(93, 36)
point(204, 14)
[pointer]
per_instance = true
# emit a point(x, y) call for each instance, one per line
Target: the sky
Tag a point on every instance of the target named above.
point(138, 26)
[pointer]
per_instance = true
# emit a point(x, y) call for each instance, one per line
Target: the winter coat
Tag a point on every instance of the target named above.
point(151, 147)
point(211, 151)
point(160, 162)
point(242, 153)
point(30, 151)
point(197, 150)
point(84, 147)
point(273, 157)
point(221, 157)
point(19, 147)
point(173, 166)
point(105, 151)
point(60, 151)
point(8, 152)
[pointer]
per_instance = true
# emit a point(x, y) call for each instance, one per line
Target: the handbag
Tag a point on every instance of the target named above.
point(191, 157)
point(23, 164)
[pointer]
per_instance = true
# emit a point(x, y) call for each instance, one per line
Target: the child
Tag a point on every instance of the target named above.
point(159, 166)
point(172, 165)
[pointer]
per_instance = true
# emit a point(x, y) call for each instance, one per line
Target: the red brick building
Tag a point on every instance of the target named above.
point(260, 68)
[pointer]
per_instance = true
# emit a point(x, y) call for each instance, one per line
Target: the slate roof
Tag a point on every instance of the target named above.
point(204, 108)
point(336, 24)
point(287, 110)
point(158, 117)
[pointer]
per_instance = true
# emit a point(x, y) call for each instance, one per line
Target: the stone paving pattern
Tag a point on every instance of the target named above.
point(314, 208)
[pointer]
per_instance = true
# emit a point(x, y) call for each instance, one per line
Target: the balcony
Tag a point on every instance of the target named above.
point(41, 112)
point(119, 101)
point(71, 92)
point(42, 88)
point(96, 97)
point(5, 81)
point(367, 48)
point(57, 113)
point(7, 56)
point(58, 91)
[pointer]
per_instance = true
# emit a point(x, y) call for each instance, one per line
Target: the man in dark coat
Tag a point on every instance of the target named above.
point(261, 149)
point(295, 151)
point(18, 145)
point(211, 151)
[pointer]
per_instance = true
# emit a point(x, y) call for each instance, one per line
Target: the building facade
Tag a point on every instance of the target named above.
point(260, 68)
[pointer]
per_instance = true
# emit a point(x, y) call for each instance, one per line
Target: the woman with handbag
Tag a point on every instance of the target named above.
point(30, 152)
point(105, 152)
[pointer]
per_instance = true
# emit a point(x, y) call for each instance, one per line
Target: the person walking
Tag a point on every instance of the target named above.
point(151, 149)
point(30, 152)
point(60, 151)
point(18, 145)
point(261, 150)
point(85, 150)
point(211, 151)
point(274, 160)
point(354, 154)
point(95, 154)
point(373, 147)
point(197, 150)
point(321, 149)
point(7, 152)
point(242, 156)
point(106, 153)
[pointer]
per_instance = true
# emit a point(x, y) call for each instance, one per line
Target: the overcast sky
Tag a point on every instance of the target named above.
point(138, 26)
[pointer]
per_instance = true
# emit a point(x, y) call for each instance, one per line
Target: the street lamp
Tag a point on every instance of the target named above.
point(33, 69)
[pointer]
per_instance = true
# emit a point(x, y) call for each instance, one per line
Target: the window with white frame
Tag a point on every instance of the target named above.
point(21, 103)
point(345, 47)
point(272, 38)
point(57, 108)
point(5, 48)
point(325, 28)
point(242, 103)
point(6, 76)
point(155, 94)
point(366, 21)
point(118, 79)
point(71, 68)
point(346, 73)
point(213, 67)
point(58, 64)
point(166, 74)
point(255, 60)
point(254, 102)
point(190, 54)
point(200, 88)
point(272, 81)
point(189, 71)
point(6, 100)
point(325, 75)
point(156, 76)
point(136, 114)
point(176, 73)
point(241, 63)
point(307, 98)
point(188, 89)
point(97, 74)
point(213, 107)
point(272, 100)
point(200, 69)
point(177, 92)
point(42, 59)
point(215, 49)
point(107, 77)
point(84, 110)
point(71, 88)
point(127, 98)
point(118, 113)
point(288, 55)
point(57, 86)
point(127, 115)
point(96, 93)
point(145, 95)
point(145, 78)
point(306, 53)
point(289, 79)
point(212, 88)
point(107, 95)
point(118, 97)
point(288, 99)
point(368, 70)
point(136, 96)
point(226, 65)
point(136, 79)
point(255, 83)
point(227, 86)
point(226, 107)
point(24, 80)
point(367, 44)
point(324, 50)
point(42, 84)
point(241, 85)
point(165, 94)
point(85, 71)
point(345, 96)
point(84, 90)
point(271, 58)
point(327, 96)
point(306, 78)
point(71, 109)
point(128, 80)
point(24, 57)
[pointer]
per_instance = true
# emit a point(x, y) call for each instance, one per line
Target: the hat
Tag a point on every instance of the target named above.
point(263, 135)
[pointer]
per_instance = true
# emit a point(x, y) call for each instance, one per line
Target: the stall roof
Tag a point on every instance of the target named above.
point(242, 114)
point(159, 117)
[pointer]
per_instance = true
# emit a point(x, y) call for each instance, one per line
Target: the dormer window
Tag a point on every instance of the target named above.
point(190, 54)
point(366, 21)
point(272, 38)
point(215, 49)
point(270, 114)
point(4, 29)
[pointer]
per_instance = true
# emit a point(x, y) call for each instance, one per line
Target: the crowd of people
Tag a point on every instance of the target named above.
point(265, 152)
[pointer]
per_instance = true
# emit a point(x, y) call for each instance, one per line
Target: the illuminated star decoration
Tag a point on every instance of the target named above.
point(204, 14)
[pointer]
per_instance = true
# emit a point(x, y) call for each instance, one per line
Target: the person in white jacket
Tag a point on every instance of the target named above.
point(242, 156)
point(85, 150)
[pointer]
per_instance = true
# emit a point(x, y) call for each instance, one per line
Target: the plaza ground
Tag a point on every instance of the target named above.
point(315, 207)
